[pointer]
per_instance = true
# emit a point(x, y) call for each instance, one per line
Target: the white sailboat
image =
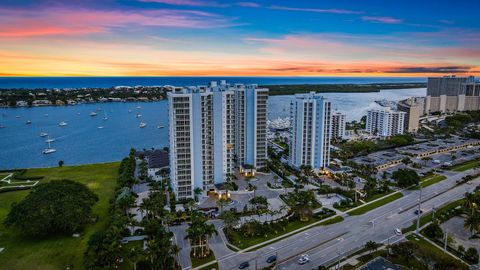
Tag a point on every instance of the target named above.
point(100, 127)
point(92, 114)
point(142, 125)
point(28, 122)
point(49, 150)
point(105, 115)
point(43, 134)
point(139, 115)
point(49, 140)
point(62, 124)
point(160, 126)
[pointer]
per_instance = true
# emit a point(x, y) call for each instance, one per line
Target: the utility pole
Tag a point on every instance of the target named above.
point(419, 210)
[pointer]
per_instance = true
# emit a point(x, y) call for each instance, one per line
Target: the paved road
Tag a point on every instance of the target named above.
point(184, 245)
point(325, 244)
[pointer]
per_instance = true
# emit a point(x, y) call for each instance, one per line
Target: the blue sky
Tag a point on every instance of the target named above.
point(203, 37)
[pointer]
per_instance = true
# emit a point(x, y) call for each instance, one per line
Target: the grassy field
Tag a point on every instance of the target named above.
point(3, 175)
point(201, 261)
point(334, 220)
point(465, 166)
point(427, 218)
point(433, 179)
point(210, 267)
point(61, 251)
point(424, 244)
point(368, 207)
point(240, 241)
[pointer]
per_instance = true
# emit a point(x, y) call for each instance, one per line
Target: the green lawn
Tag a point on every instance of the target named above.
point(427, 218)
point(210, 267)
point(201, 261)
point(368, 207)
point(61, 251)
point(424, 244)
point(378, 196)
point(239, 240)
point(465, 166)
point(3, 175)
point(334, 220)
point(432, 179)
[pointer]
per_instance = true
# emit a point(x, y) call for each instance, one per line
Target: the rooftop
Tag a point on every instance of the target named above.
point(380, 263)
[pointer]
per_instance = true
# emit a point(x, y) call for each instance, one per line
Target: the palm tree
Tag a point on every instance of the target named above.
point(198, 191)
point(371, 245)
point(275, 180)
point(199, 232)
point(134, 255)
point(190, 205)
point(222, 203)
point(230, 219)
point(425, 160)
point(470, 201)
point(472, 222)
point(254, 188)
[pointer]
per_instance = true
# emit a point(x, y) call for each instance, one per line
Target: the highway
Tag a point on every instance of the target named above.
point(326, 244)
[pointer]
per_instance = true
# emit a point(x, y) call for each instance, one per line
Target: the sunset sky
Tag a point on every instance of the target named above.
point(239, 38)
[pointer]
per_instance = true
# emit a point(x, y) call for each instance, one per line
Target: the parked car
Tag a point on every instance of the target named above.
point(243, 265)
point(398, 231)
point(418, 212)
point(303, 259)
point(271, 259)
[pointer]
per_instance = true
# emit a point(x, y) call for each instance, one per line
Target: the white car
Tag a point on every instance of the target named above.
point(398, 231)
point(303, 259)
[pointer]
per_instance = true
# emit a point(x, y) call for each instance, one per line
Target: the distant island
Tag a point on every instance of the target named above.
point(20, 97)
point(338, 88)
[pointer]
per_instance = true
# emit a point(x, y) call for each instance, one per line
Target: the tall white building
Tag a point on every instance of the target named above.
point(310, 127)
point(385, 122)
point(339, 124)
point(203, 133)
point(251, 125)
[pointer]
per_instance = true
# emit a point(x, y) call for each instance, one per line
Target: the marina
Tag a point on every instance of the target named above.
point(80, 138)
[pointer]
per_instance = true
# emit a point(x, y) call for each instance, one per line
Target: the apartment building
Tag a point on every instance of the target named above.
point(339, 122)
point(310, 131)
point(451, 94)
point(251, 126)
point(209, 128)
point(385, 122)
point(413, 108)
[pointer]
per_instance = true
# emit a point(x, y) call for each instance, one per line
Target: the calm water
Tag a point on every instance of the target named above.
point(81, 141)
point(66, 82)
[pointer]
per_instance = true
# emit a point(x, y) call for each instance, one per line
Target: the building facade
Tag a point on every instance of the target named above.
point(339, 124)
point(251, 126)
point(203, 140)
point(413, 108)
point(451, 94)
point(310, 131)
point(385, 122)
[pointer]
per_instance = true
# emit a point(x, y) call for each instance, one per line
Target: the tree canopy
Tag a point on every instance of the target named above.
point(406, 177)
point(56, 207)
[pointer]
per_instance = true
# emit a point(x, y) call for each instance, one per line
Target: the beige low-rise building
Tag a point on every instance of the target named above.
point(413, 107)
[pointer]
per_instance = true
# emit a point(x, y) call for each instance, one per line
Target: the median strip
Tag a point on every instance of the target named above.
point(374, 204)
